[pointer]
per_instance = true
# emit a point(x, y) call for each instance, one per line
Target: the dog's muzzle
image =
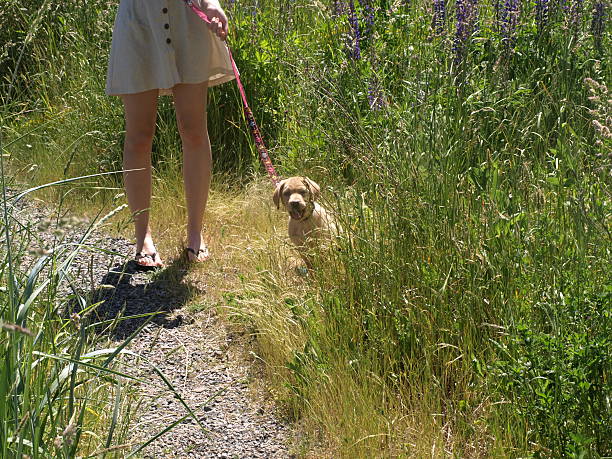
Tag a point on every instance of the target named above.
point(299, 211)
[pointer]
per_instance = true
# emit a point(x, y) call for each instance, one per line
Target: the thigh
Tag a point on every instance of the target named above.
point(190, 102)
point(140, 114)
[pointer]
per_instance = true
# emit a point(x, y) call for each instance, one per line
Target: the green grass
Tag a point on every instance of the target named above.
point(467, 310)
point(57, 393)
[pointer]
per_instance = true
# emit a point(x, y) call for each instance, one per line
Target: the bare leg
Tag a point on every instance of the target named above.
point(140, 114)
point(190, 105)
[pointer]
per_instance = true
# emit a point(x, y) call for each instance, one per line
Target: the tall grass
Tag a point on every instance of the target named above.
point(466, 156)
point(469, 304)
point(58, 387)
point(65, 388)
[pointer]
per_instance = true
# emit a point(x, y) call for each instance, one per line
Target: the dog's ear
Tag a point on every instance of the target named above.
point(314, 187)
point(276, 197)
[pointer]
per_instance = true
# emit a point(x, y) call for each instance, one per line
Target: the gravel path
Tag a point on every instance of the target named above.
point(194, 351)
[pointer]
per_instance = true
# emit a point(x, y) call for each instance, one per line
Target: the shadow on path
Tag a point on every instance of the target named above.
point(126, 290)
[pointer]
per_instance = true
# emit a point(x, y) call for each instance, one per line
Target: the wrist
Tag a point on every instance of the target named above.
point(209, 4)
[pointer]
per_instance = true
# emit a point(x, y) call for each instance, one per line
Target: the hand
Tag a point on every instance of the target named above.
point(218, 19)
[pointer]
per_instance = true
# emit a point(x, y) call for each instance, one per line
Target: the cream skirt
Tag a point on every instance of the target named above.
point(160, 43)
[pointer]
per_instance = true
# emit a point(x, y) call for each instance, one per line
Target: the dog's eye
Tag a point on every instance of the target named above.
point(302, 192)
point(286, 192)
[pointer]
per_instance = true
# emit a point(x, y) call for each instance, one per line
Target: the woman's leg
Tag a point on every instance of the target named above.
point(190, 105)
point(140, 114)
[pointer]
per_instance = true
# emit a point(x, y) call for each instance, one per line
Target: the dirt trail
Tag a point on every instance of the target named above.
point(194, 351)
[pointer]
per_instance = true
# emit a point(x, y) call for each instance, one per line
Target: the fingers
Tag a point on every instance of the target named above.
point(218, 24)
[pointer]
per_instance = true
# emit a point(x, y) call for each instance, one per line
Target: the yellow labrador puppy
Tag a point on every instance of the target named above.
point(308, 221)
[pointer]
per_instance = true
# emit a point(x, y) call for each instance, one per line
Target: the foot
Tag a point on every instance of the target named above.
point(197, 256)
point(146, 254)
point(148, 260)
point(197, 250)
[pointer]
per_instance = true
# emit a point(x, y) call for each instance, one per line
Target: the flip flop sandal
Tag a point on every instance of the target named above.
point(146, 256)
point(189, 250)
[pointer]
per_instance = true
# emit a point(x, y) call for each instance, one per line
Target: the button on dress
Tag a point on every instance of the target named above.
point(160, 43)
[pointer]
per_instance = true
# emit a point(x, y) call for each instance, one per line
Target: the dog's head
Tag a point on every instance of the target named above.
point(297, 195)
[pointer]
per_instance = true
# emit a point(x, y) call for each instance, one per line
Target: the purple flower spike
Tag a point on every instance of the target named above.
point(459, 40)
point(498, 12)
point(439, 16)
point(575, 16)
point(368, 12)
point(565, 6)
point(509, 20)
point(541, 9)
point(466, 27)
point(339, 8)
point(598, 22)
point(355, 53)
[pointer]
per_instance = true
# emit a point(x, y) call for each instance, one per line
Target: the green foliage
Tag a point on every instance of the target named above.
point(59, 379)
point(556, 373)
point(473, 193)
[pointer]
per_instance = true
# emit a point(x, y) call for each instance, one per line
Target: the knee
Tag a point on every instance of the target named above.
point(193, 134)
point(139, 141)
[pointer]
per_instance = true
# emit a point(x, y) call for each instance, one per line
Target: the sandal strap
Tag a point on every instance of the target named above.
point(192, 251)
point(152, 256)
point(204, 251)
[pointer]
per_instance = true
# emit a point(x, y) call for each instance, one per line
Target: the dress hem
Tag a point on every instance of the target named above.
point(219, 77)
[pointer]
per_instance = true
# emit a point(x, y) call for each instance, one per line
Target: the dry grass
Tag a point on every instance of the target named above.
point(251, 280)
point(238, 227)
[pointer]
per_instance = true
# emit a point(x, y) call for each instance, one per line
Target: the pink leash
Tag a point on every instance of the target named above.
point(259, 143)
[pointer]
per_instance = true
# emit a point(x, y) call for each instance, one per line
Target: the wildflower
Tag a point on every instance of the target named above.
point(355, 53)
point(497, 7)
point(591, 82)
point(602, 112)
point(575, 16)
point(597, 23)
point(466, 27)
point(368, 12)
point(509, 20)
point(564, 7)
point(541, 8)
point(76, 320)
point(604, 131)
point(67, 436)
point(339, 8)
point(439, 16)
point(460, 34)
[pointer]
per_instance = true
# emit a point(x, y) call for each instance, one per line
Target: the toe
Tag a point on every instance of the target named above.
point(148, 260)
point(197, 256)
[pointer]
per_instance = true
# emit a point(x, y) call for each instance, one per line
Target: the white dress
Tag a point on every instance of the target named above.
point(160, 43)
